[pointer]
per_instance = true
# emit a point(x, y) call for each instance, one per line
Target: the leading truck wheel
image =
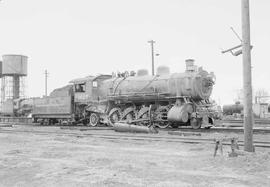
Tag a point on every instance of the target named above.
point(195, 123)
point(93, 119)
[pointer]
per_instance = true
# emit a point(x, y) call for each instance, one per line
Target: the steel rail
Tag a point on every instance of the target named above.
point(220, 129)
point(256, 130)
point(136, 137)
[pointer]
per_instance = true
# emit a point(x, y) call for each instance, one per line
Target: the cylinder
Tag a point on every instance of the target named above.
point(178, 114)
point(231, 109)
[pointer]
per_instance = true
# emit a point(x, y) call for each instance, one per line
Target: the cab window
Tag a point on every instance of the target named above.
point(80, 87)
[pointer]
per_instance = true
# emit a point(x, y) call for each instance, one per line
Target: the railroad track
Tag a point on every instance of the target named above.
point(15, 120)
point(237, 129)
point(184, 129)
point(133, 137)
point(261, 126)
point(256, 121)
point(220, 123)
point(224, 130)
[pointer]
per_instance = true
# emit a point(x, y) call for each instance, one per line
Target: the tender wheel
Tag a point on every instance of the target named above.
point(46, 122)
point(93, 119)
point(195, 123)
point(114, 116)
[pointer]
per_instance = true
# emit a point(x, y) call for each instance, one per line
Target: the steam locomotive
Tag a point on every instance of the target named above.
point(174, 99)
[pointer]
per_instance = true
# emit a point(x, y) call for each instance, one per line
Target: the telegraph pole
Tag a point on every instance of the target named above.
point(153, 60)
point(46, 80)
point(248, 113)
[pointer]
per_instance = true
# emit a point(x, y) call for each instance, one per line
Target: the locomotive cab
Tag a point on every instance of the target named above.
point(81, 89)
point(87, 89)
point(86, 92)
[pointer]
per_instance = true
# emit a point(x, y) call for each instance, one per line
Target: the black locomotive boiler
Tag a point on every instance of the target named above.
point(175, 99)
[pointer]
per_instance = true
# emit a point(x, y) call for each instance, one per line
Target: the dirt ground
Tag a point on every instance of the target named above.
point(61, 160)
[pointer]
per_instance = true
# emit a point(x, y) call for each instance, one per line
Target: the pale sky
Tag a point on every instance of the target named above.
point(76, 38)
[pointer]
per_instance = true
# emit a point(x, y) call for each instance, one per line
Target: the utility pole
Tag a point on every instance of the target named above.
point(248, 114)
point(46, 80)
point(153, 60)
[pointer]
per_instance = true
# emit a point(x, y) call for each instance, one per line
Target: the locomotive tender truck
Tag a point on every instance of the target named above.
point(176, 99)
